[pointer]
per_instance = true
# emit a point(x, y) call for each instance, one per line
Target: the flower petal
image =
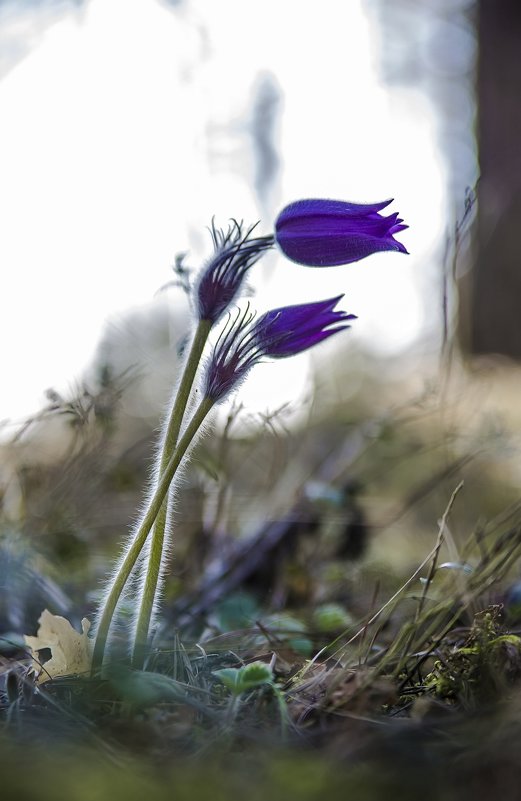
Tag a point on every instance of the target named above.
point(326, 233)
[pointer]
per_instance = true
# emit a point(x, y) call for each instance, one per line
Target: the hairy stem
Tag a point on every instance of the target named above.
point(150, 586)
point(183, 393)
point(144, 530)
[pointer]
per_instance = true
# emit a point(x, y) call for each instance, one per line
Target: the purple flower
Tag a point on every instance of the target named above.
point(292, 329)
point(277, 334)
point(235, 252)
point(324, 233)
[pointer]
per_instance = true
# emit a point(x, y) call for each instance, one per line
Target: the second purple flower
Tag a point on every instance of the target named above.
point(277, 334)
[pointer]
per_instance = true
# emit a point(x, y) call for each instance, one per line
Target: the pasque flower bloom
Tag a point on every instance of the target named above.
point(292, 329)
point(324, 233)
point(277, 334)
point(235, 251)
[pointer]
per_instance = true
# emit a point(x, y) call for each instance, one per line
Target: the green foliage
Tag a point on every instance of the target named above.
point(143, 689)
point(331, 618)
point(243, 679)
point(479, 670)
point(288, 630)
point(239, 610)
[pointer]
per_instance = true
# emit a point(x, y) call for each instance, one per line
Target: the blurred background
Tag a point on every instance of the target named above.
point(127, 125)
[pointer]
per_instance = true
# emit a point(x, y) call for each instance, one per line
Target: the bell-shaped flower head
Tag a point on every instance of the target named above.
point(325, 233)
point(277, 334)
point(235, 251)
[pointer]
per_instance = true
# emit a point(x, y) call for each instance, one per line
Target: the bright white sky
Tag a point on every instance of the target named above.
point(107, 170)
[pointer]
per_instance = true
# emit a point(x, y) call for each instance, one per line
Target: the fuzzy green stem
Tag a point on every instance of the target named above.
point(158, 534)
point(144, 530)
point(183, 393)
point(150, 586)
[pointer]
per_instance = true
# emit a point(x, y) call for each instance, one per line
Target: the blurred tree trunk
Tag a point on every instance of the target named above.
point(495, 300)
